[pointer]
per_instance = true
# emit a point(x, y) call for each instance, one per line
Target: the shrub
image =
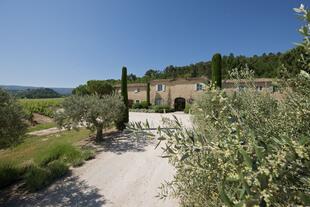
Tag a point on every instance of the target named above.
point(163, 108)
point(63, 152)
point(12, 126)
point(187, 108)
point(37, 178)
point(88, 154)
point(136, 106)
point(144, 105)
point(9, 174)
point(143, 110)
point(57, 169)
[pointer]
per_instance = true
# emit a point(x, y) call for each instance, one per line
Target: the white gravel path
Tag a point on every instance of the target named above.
point(126, 173)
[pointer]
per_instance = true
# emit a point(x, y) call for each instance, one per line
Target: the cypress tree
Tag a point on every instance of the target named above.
point(148, 89)
point(217, 70)
point(124, 93)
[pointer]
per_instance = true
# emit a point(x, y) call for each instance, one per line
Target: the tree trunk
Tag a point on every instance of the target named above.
point(99, 134)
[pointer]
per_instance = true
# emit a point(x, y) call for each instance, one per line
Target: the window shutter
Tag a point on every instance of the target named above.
point(203, 86)
point(164, 87)
point(156, 87)
point(195, 85)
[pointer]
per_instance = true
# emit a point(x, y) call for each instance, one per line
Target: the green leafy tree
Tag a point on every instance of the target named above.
point(81, 90)
point(12, 125)
point(217, 70)
point(94, 87)
point(99, 87)
point(94, 112)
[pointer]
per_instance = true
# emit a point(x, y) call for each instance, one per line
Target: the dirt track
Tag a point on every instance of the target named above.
point(125, 173)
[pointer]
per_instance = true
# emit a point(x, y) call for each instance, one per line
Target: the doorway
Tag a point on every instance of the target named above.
point(179, 104)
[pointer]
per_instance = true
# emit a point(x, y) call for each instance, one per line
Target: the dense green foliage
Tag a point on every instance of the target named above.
point(94, 87)
point(142, 105)
point(44, 107)
point(163, 109)
point(9, 174)
point(264, 66)
point(124, 118)
point(96, 113)
point(12, 126)
point(217, 70)
point(38, 177)
point(35, 93)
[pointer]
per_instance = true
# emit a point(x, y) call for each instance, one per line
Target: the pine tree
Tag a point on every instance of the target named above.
point(217, 70)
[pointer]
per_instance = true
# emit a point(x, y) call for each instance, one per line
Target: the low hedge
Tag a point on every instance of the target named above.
point(163, 109)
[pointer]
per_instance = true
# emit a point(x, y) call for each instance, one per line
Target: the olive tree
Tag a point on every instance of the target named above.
point(94, 112)
point(12, 121)
point(245, 149)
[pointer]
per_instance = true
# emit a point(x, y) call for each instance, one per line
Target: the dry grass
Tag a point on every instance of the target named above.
point(34, 146)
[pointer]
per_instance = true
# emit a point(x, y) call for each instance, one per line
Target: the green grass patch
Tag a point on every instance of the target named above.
point(39, 127)
point(33, 146)
point(64, 152)
point(38, 177)
point(39, 161)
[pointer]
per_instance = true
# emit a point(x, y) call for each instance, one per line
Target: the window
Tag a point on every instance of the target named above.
point(259, 88)
point(137, 90)
point(158, 101)
point(241, 88)
point(199, 87)
point(137, 101)
point(160, 87)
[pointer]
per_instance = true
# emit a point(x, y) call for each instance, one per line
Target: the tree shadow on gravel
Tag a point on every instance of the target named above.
point(121, 142)
point(67, 192)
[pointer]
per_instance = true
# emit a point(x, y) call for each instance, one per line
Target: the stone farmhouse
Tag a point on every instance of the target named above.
point(181, 91)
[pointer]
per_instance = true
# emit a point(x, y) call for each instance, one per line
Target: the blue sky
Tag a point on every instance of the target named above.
point(64, 43)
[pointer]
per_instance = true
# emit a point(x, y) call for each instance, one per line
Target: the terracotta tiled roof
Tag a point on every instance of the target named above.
point(256, 80)
point(132, 85)
point(198, 79)
point(177, 80)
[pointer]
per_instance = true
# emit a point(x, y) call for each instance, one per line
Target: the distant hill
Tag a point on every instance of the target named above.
point(61, 91)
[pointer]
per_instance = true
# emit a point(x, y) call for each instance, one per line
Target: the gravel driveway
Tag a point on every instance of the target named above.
point(125, 173)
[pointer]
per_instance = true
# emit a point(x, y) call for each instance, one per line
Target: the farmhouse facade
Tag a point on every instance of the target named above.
point(178, 92)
